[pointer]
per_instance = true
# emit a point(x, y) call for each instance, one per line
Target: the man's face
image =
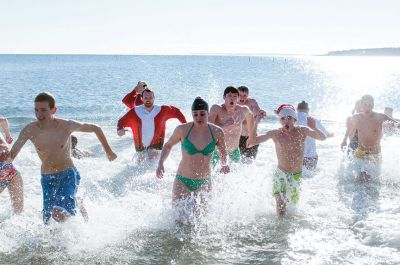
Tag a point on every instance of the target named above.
point(148, 99)
point(200, 116)
point(243, 97)
point(231, 99)
point(43, 111)
point(366, 105)
point(287, 122)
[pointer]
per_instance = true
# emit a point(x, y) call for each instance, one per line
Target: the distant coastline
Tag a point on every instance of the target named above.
point(366, 52)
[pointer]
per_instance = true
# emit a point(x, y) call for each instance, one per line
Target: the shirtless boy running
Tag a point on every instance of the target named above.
point(368, 124)
point(289, 146)
point(51, 137)
point(230, 116)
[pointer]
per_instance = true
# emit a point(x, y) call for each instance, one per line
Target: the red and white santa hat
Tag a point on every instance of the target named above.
point(285, 110)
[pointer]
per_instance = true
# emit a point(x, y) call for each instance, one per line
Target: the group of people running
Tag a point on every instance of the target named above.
point(216, 137)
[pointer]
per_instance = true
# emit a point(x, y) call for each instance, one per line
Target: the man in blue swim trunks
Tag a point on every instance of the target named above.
point(51, 137)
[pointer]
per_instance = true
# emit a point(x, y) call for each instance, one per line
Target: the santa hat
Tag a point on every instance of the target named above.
point(286, 110)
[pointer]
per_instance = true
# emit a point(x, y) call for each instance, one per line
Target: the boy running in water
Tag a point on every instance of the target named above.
point(289, 146)
point(51, 137)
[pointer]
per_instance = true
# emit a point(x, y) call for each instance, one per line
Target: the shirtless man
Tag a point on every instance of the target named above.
point(368, 124)
point(230, 116)
point(244, 99)
point(51, 137)
point(289, 146)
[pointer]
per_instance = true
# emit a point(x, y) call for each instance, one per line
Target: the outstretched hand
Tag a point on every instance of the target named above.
point(311, 122)
point(121, 132)
point(9, 139)
point(111, 156)
point(140, 87)
point(225, 169)
point(260, 115)
point(160, 171)
point(343, 145)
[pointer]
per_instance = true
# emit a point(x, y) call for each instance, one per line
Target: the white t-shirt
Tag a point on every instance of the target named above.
point(310, 149)
point(147, 122)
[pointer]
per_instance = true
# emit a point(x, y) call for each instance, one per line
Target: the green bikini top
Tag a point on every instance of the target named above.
point(192, 150)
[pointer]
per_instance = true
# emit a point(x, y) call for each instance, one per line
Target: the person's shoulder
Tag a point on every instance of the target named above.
point(243, 108)
point(252, 101)
point(216, 107)
point(32, 126)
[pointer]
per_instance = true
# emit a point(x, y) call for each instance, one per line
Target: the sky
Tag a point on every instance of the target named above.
point(196, 27)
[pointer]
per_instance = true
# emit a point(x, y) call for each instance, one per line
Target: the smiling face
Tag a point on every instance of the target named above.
point(43, 111)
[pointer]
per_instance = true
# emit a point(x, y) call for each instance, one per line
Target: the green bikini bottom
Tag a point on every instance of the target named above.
point(192, 184)
point(233, 156)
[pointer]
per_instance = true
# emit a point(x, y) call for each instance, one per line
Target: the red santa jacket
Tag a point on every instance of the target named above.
point(132, 99)
point(156, 125)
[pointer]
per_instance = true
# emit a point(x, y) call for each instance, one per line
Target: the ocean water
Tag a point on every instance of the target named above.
point(337, 221)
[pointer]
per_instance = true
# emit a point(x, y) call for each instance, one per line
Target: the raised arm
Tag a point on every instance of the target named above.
point(254, 140)
point(6, 129)
point(24, 136)
point(88, 127)
point(134, 98)
point(173, 140)
point(315, 132)
point(391, 120)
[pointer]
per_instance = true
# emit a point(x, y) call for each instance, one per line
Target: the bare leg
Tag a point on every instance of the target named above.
point(16, 190)
point(280, 204)
point(82, 210)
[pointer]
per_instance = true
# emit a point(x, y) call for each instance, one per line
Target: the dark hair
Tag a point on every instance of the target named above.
point(231, 89)
point(199, 104)
point(302, 105)
point(46, 97)
point(243, 89)
point(367, 98)
point(147, 90)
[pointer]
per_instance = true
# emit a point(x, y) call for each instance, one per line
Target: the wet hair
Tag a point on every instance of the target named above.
point(46, 97)
point(74, 141)
point(231, 89)
point(368, 98)
point(147, 90)
point(199, 104)
point(302, 105)
point(243, 89)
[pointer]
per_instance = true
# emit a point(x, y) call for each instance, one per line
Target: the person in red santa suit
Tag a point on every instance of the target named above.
point(147, 122)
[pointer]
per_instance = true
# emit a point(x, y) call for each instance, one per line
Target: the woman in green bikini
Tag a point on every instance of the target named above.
point(199, 140)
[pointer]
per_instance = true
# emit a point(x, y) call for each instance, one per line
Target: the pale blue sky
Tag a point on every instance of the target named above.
point(186, 27)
